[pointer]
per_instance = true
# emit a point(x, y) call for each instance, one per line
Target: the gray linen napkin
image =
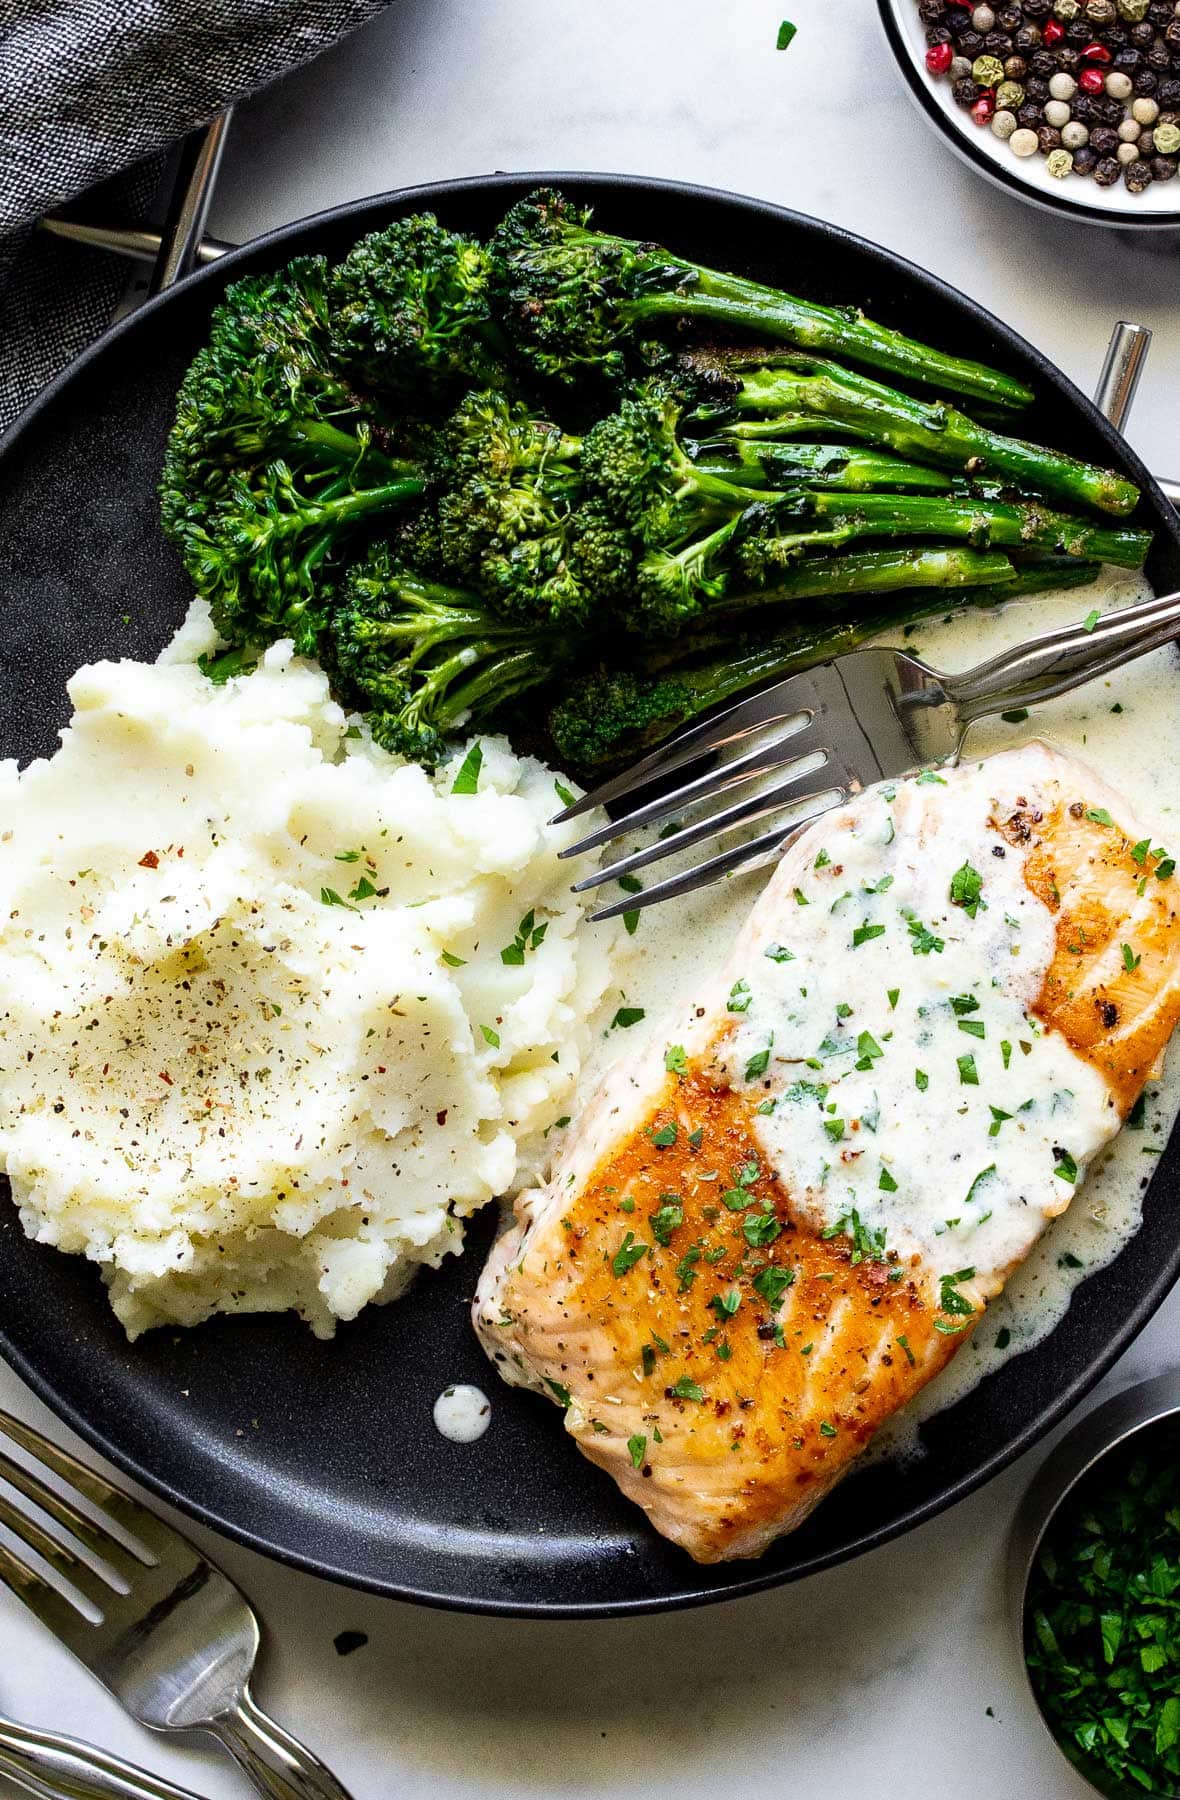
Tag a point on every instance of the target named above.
point(95, 89)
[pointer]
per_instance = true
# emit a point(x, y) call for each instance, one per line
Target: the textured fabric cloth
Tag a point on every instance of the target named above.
point(95, 89)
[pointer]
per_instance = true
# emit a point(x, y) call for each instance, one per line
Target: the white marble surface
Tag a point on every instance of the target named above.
point(898, 1675)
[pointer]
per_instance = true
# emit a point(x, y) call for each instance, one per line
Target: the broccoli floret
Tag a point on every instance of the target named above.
point(611, 715)
point(410, 312)
point(265, 552)
point(513, 519)
point(577, 302)
point(425, 661)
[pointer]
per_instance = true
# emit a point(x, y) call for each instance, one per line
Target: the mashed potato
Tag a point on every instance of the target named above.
point(259, 1044)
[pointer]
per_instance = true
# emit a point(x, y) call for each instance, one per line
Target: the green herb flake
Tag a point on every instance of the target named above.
point(1065, 1166)
point(1098, 815)
point(757, 1064)
point(924, 942)
point(687, 1389)
point(904, 1342)
point(921, 1080)
point(966, 890)
point(627, 1255)
point(452, 961)
point(893, 995)
point(467, 780)
point(637, 1450)
point(1091, 619)
point(490, 1036)
point(664, 1137)
point(885, 1181)
point(739, 997)
point(786, 33)
point(1130, 960)
point(626, 1017)
point(779, 953)
point(864, 934)
point(675, 1060)
point(772, 1283)
point(1016, 715)
point(968, 1073)
point(667, 1218)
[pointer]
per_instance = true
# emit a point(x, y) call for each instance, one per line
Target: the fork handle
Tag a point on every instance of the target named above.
point(276, 1763)
point(1063, 660)
point(60, 1768)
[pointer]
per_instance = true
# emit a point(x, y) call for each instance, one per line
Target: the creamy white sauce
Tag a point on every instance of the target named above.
point(462, 1413)
point(1137, 749)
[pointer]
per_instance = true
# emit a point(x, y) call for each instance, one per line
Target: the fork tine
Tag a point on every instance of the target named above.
point(715, 868)
point(60, 1556)
point(63, 1618)
point(89, 1534)
point(708, 786)
point(797, 791)
point(152, 1532)
point(771, 706)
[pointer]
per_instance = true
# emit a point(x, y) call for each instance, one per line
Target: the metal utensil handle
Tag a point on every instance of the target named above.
point(185, 226)
point(61, 1768)
point(1062, 660)
point(278, 1765)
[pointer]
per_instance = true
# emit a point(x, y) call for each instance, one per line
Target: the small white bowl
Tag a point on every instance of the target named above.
point(1078, 196)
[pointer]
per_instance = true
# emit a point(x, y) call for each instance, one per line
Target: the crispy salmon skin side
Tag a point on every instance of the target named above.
point(781, 1216)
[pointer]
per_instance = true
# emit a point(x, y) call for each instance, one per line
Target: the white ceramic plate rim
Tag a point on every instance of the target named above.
point(1160, 201)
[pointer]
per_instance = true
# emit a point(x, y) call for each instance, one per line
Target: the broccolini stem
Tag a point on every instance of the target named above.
point(925, 429)
point(817, 465)
point(981, 523)
point(873, 572)
point(750, 307)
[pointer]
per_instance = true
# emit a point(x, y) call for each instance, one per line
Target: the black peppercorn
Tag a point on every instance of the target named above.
point(1145, 143)
point(931, 11)
point(1030, 115)
point(1082, 108)
point(1009, 18)
point(1079, 32)
point(965, 91)
point(971, 43)
point(1108, 171)
point(1044, 64)
point(1084, 160)
point(1049, 138)
point(1168, 92)
point(937, 34)
point(1027, 39)
point(1137, 176)
point(1068, 59)
point(1146, 82)
point(1037, 9)
point(1143, 35)
point(1160, 58)
point(1127, 58)
point(1113, 111)
point(1159, 12)
point(1036, 89)
point(998, 43)
point(1163, 167)
point(1104, 140)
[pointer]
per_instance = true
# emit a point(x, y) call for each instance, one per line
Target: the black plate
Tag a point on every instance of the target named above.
point(324, 1454)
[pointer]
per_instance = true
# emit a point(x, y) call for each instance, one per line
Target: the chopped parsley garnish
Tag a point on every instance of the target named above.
point(921, 1080)
point(491, 1036)
point(885, 1181)
point(329, 897)
point(739, 997)
point(801, 898)
point(452, 961)
point(529, 936)
point(1098, 815)
point(687, 1389)
point(779, 953)
point(822, 860)
point(1130, 960)
point(686, 1268)
point(1091, 619)
point(923, 940)
point(1165, 868)
point(627, 1255)
point(868, 1050)
point(1066, 1167)
point(786, 35)
point(772, 1283)
point(826, 1429)
point(801, 1091)
point(834, 1129)
point(864, 934)
point(725, 1305)
point(675, 1061)
point(904, 1342)
point(467, 779)
point(668, 1216)
point(968, 1073)
point(999, 1117)
point(560, 1393)
point(760, 1229)
point(868, 1244)
point(637, 1450)
point(758, 1063)
point(973, 1027)
point(1139, 851)
point(966, 890)
point(664, 1137)
point(951, 1302)
point(1005, 1051)
point(928, 778)
point(892, 995)
point(563, 793)
point(626, 1017)
point(631, 884)
point(963, 1003)
point(1016, 715)
point(984, 1175)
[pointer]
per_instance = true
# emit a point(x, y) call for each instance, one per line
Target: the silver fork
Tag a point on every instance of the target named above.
point(832, 731)
point(174, 1640)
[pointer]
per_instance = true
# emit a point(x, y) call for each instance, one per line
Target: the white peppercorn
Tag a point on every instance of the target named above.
point(1059, 163)
point(1056, 113)
point(1129, 130)
point(1146, 111)
point(1062, 86)
point(1023, 142)
point(983, 18)
point(1119, 86)
point(960, 68)
point(1004, 123)
point(1074, 135)
point(1128, 153)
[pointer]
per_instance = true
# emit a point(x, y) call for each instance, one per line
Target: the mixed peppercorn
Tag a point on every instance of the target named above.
point(1093, 86)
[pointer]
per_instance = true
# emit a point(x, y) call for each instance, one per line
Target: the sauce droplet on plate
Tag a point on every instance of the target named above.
point(462, 1413)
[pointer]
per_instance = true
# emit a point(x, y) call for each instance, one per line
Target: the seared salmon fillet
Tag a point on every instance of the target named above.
point(782, 1216)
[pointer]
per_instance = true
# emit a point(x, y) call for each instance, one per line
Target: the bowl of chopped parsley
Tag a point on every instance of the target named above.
point(1096, 1584)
